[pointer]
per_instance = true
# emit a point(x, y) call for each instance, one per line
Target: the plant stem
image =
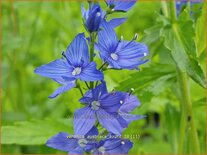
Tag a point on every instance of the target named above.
point(172, 11)
point(92, 42)
point(80, 90)
point(187, 119)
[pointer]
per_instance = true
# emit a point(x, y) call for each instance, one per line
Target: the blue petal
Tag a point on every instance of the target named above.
point(84, 119)
point(84, 13)
point(126, 119)
point(107, 37)
point(109, 121)
point(61, 142)
point(93, 132)
point(67, 86)
point(55, 69)
point(131, 54)
point(77, 150)
point(94, 94)
point(87, 98)
point(90, 73)
point(116, 22)
point(117, 146)
point(77, 52)
point(122, 5)
point(94, 18)
point(112, 101)
point(99, 91)
point(129, 103)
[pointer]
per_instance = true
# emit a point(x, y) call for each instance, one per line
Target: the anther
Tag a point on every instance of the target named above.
point(135, 36)
point(114, 56)
point(131, 91)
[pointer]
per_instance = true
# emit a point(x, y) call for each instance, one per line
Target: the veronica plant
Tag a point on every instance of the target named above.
point(112, 109)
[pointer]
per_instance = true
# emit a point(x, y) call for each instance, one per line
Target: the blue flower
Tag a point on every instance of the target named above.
point(92, 17)
point(118, 53)
point(101, 106)
point(118, 5)
point(74, 145)
point(75, 65)
point(113, 145)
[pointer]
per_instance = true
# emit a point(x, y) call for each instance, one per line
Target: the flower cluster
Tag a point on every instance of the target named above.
point(112, 110)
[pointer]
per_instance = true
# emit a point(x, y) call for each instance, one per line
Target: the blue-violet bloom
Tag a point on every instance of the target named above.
point(119, 54)
point(75, 65)
point(101, 106)
point(92, 17)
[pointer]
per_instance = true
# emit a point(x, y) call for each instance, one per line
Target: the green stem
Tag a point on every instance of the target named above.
point(79, 88)
point(92, 42)
point(182, 130)
point(172, 11)
point(187, 115)
point(187, 119)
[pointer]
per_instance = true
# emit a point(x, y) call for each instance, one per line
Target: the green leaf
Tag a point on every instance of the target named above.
point(201, 31)
point(178, 38)
point(150, 81)
point(34, 132)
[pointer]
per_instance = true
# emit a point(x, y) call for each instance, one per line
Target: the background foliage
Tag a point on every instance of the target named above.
point(34, 33)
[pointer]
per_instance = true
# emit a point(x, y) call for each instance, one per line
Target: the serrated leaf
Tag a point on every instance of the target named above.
point(35, 132)
point(179, 40)
point(151, 80)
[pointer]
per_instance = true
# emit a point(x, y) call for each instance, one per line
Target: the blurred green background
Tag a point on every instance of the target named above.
point(35, 33)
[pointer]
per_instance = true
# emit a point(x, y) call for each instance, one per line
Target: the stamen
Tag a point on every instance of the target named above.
point(135, 36)
point(114, 56)
point(122, 142)
point(131, 91)
point(145, 54)
point(98, 14)
point(82, 142)
point(122, 38)
point(95, 105)
point(121, 102)
point(101, 149)
point(76, 71)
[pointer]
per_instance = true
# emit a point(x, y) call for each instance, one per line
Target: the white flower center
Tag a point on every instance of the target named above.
point(121, 102)
point(122, 142)
point(82, 142)
point(76, 71)
point(145, 54)
point(114, 56)
point(101, 149)
point(98, 14)
point(95, 105)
